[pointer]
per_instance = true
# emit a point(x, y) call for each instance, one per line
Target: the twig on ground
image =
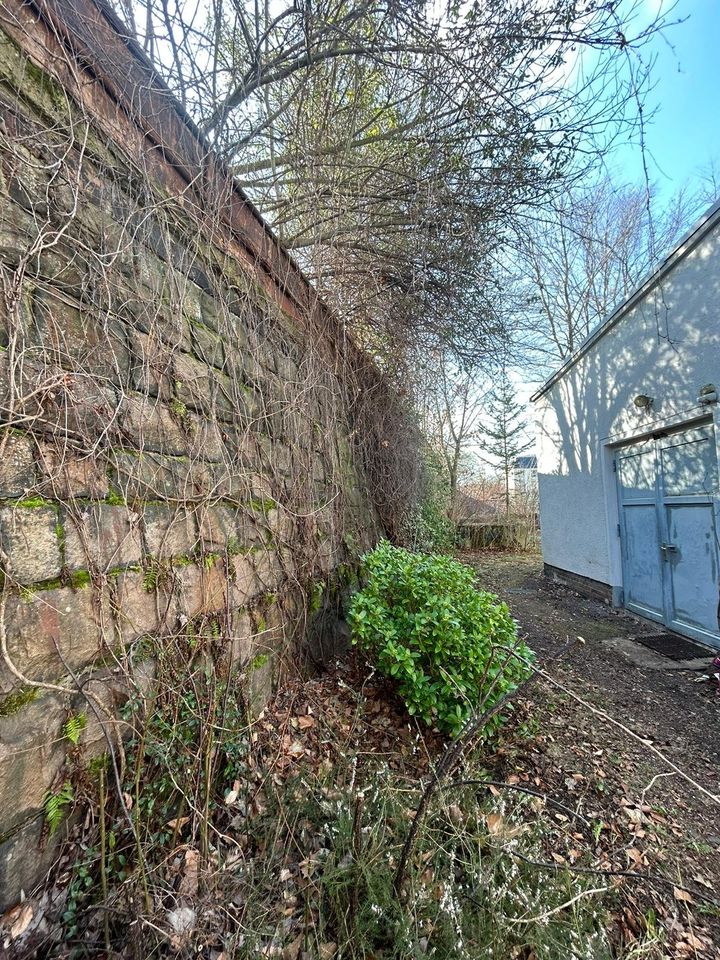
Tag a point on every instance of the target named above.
point(605, 872)
point(714, 798)
point(563, 906)
point(454, 752)
point(519, 788)
point(447, 763)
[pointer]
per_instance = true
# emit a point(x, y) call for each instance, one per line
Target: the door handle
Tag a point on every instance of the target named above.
point(668, 548)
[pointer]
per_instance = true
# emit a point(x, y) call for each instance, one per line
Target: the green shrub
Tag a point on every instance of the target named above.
point(429, 528)
point(427, 525)
point(423, 622)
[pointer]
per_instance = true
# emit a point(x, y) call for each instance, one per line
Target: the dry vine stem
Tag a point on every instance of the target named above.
point(622, 874)
point(562, 906)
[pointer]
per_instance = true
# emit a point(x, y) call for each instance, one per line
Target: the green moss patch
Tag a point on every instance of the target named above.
point(14, 702)
point(33, 503)
point(263, 505)
point(258, 662)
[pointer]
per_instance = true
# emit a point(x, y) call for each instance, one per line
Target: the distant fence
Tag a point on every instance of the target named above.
point(512, 534)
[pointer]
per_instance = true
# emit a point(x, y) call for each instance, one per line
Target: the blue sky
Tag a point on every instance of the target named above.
point(684, 135)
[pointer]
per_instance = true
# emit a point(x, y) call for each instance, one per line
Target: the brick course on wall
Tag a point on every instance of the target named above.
point(176, 441)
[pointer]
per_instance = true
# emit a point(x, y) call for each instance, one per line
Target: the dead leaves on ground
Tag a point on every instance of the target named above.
point(318, 723)
point(606, 824)
point(625, 832)
point(617, 829)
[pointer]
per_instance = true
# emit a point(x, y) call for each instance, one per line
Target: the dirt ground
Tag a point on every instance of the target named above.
point(656, 819)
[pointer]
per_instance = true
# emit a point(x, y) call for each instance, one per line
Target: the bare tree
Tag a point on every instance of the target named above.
point(709, 189)
point(451, 407)
point(392, 145)
point(584, 257)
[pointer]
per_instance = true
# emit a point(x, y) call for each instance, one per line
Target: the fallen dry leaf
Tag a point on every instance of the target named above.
point(232, 795)
point(703, 881)
point(22, 921)
point(634, 855)
point(10, 915)
point(327, 950)
point(292, 950)
point(499, 827)
point(689, 942)
point(682, 895)
point(495, 823)
point(306, 722)
point(178, 822)
point(189, 883)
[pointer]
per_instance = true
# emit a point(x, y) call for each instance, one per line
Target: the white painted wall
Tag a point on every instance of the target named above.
point(668, 347)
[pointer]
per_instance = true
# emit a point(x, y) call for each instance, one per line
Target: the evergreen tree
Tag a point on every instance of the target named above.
point(504, 436)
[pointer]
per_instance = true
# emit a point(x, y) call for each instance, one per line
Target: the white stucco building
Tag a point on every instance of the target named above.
point(627, 447)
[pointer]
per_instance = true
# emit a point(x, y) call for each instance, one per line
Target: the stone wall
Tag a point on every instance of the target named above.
point(176, 409)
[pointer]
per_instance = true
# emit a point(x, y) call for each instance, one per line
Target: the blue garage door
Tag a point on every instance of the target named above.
point(668, 493)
